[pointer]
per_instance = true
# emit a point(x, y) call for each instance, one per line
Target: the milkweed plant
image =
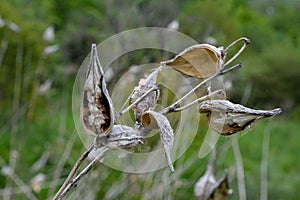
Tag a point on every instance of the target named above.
point(203, 62)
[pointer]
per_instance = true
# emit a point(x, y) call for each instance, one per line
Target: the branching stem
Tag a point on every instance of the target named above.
point(72, 183)
point(172, 107)
point(73, 171)
point(197, 101)
point(122, 112)
point(246, 42)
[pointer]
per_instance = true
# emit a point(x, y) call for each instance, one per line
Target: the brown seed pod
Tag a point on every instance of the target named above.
point(228, 118)
point(200, 61)
point(205, 185)
point(149, 101)
point(221, 189)
point(97, 111)
point(153, 120)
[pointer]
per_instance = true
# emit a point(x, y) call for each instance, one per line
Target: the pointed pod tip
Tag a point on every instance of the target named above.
point(277, 111)
point(171, 168)
point(94, 48)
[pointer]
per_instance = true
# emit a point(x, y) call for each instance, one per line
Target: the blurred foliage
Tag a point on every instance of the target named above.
point(34, 121)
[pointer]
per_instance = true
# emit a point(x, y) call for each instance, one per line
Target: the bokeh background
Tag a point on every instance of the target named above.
point(43, 43)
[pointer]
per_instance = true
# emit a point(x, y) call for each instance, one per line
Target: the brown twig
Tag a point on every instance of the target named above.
point(73, 183)
point(172, 107)
point(73, 171)
point(246, 42)
point(122, 112)
point(197, 101)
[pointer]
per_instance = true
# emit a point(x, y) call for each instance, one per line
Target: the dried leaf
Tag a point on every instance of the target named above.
point(97, 111)
point(200, 61)
point(151, 119)
point(227, 118)
point(221, 189)
point(149, 101)
point(121, 137)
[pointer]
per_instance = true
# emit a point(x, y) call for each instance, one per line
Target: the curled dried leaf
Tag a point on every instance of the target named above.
point(97, 111)
point(149, 101)
point(200, 61)
point(121, 136)
point(228, 118)
point(151, 119)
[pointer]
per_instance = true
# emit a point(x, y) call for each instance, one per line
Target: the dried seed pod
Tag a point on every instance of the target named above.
point(205, 185)
point(228, 118)
point(207, 188)
point(151, 119)
point(97, 111)
point(221, 190)
point(200, 61)
point(149, 101)
point(121, 137)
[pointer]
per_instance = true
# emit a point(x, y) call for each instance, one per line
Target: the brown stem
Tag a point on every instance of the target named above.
point(172, 107)
point(198, 100)
point(73, 171)
point(122, 112)
point(246, 42)
point(72, 183)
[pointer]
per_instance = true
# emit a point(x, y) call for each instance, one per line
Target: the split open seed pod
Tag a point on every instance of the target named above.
point(221, 189)
point(153, 120)
point(200, 61)
point(205, 185)
point(96, 111)
point(147, 86)
point(228, 118)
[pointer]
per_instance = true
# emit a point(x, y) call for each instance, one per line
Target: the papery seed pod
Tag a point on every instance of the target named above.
point(221, 189)
point(152, 120)
point(228, 118)
point(121, 136)
point(200, 61)
point(205, 185)
point(149, 101)
point(97, 111)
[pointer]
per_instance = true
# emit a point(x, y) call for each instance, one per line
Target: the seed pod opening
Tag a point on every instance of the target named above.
point(149, 87)
point(228, 118)
point(97, 111)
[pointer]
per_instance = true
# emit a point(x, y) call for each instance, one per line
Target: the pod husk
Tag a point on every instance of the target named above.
point(153, 120)
point(97, 112)
point(200, 61)
point(228, 118)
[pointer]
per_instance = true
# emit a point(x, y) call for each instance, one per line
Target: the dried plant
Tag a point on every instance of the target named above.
point(201, 61)
point(207, 188)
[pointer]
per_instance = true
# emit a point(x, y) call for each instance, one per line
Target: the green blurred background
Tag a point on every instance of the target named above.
point(43, 43)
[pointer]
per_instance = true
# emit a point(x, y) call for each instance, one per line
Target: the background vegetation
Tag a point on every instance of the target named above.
point(37, 134)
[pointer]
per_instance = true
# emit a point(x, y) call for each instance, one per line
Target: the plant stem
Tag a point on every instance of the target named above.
point(172, 107)
point(73, 171)
point(197, 100)
point(264, 164)
point(122, 112)
point(74, 182)
point(246, 42)
point(239, 169)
